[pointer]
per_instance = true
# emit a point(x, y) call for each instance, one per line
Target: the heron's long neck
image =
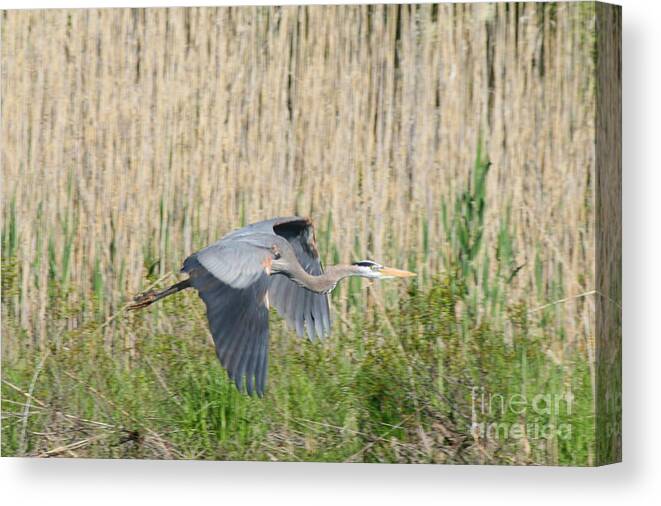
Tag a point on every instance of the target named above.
point(325, 282)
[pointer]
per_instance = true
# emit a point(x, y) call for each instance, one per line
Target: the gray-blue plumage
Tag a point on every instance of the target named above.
point(273, 262)
point(231, 279)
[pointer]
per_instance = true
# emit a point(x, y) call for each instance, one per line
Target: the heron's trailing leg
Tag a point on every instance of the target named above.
point(148, 298)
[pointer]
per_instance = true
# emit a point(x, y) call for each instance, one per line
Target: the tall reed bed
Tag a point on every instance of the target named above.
point(132, 137)
point(428, 378)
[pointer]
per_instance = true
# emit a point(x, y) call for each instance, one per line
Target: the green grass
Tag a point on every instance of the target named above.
point(458, 372)
point(399, 391)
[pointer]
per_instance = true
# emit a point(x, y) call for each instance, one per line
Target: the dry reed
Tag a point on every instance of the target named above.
point(132, 137)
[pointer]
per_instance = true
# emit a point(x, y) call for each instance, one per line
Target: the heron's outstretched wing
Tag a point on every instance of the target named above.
point(238, 319)
point(304, 310)
point(238, 262)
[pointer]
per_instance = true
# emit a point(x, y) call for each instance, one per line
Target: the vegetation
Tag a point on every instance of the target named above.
point(119, 159)
point(404, 384)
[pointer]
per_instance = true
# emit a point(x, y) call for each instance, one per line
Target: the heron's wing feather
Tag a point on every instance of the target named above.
point(238, 320)
point(304, 310)
point(238, 263)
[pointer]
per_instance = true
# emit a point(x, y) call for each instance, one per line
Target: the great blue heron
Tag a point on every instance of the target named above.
point(271, 262)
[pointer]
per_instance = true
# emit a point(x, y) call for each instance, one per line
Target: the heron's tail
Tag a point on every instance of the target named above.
point(148, 298)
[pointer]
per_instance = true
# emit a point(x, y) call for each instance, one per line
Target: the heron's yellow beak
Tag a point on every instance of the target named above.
point(389, 272)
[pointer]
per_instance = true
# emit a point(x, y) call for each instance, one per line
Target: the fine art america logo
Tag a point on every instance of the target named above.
point(517, 416)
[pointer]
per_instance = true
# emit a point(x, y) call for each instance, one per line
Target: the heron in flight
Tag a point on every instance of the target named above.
point(273, 262)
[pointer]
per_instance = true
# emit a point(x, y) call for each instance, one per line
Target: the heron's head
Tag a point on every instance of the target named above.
point(369, 269)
